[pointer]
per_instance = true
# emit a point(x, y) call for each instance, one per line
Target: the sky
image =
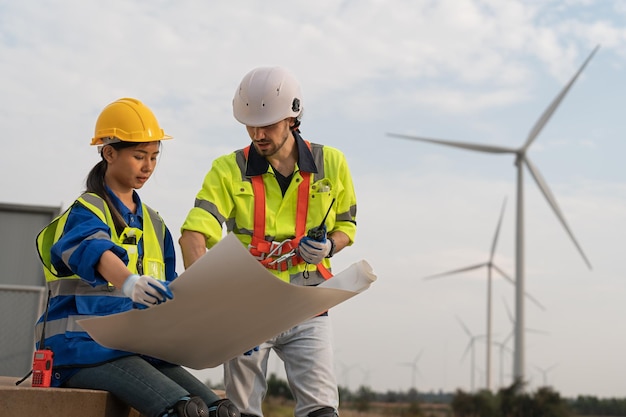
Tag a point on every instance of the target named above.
point(480, 71)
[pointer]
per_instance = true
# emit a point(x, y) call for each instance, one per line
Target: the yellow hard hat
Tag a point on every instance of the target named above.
point(127, 120)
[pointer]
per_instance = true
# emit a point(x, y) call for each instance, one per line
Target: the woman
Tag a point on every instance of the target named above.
point(106, 254)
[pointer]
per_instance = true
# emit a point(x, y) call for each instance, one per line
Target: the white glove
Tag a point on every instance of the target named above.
point(146, 290)
point(312, 251)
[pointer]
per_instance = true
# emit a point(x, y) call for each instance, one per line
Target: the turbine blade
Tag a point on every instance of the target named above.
point(535, 301)
point(480, 336)
point(464, 326)
point(526, 294)
point(495, 237)
point(543, 119)
point(543, 186)
point(502, 345)
point(417, 358)
point(506, 339)
point(455, 144)
point(467, 349)
point(536, 331)
point(457, 271)
point(508, 310)
point(503, 274)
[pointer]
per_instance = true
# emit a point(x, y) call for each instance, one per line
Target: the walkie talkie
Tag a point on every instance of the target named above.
point(318, 233)
point(42, 359)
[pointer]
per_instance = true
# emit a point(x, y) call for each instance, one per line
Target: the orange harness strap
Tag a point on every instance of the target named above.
point(259, 247)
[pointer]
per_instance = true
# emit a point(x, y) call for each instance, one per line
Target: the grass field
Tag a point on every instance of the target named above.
point(275, 407)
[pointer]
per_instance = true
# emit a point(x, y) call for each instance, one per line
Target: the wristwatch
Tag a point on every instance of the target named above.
point(332, 247)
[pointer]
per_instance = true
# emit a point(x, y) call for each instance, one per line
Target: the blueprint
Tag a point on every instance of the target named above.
point(224, 304)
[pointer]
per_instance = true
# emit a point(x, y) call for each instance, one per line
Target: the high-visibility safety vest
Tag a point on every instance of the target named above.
point(266, 221)
point(73, 299)
point(153, 246)
point(269, 253)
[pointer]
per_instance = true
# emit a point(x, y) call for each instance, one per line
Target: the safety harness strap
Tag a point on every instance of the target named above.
point(259, 247)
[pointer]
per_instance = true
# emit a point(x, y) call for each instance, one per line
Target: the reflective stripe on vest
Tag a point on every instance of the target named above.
point(259, 247)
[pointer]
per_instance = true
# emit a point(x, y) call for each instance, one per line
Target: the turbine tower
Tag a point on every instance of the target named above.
point(521, 159)
point(490, 265)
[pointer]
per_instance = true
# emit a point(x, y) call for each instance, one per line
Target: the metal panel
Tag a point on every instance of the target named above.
point(20, 308)
point(22, 284)
point(19, 226)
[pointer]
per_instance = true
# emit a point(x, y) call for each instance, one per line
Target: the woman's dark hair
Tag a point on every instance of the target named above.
point(95, 184)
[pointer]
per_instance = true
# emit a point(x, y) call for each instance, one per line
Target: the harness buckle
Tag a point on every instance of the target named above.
point(276, 248)
point(284, 257)
point(280, 256)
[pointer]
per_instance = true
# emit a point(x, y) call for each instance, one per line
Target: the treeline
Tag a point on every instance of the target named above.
point(592, 406)
point(512, 401)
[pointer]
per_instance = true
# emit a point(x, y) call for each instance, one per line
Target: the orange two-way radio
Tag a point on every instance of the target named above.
point(42, 359)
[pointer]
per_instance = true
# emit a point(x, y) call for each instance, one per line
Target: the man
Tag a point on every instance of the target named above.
point(271, 194)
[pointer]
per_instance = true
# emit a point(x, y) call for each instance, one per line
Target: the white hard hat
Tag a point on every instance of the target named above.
point(267, 95)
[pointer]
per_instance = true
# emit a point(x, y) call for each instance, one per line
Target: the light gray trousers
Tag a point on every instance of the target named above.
point(307, 353)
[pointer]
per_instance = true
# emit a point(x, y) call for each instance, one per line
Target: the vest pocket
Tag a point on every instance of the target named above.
point(321, 197)
point(155, 268)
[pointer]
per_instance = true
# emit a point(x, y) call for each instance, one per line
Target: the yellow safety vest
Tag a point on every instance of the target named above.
point(153, 243)
point(228, 197)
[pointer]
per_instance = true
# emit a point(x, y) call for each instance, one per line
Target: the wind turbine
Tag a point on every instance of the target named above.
point(490, 265)
point(512, 320)
point(544, 373)
point(414, 369)
point(502, 346)
point(468, 348)
point(366, 376)
point(345, 372)
point(522, 159)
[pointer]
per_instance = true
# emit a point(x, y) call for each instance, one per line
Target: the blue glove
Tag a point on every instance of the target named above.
point(313, 251)
point(251, 351)
point(146, 290)
point(163, 287)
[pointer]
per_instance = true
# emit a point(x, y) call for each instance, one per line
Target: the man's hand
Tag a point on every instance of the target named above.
point(312, 251)
point(146, 290)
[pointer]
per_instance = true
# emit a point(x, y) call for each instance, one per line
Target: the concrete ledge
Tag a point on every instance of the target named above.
point(25, 401)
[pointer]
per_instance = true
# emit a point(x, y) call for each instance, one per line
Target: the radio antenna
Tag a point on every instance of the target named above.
point(45, 320)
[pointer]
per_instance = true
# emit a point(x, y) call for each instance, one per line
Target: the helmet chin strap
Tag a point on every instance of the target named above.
point(109, 140)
